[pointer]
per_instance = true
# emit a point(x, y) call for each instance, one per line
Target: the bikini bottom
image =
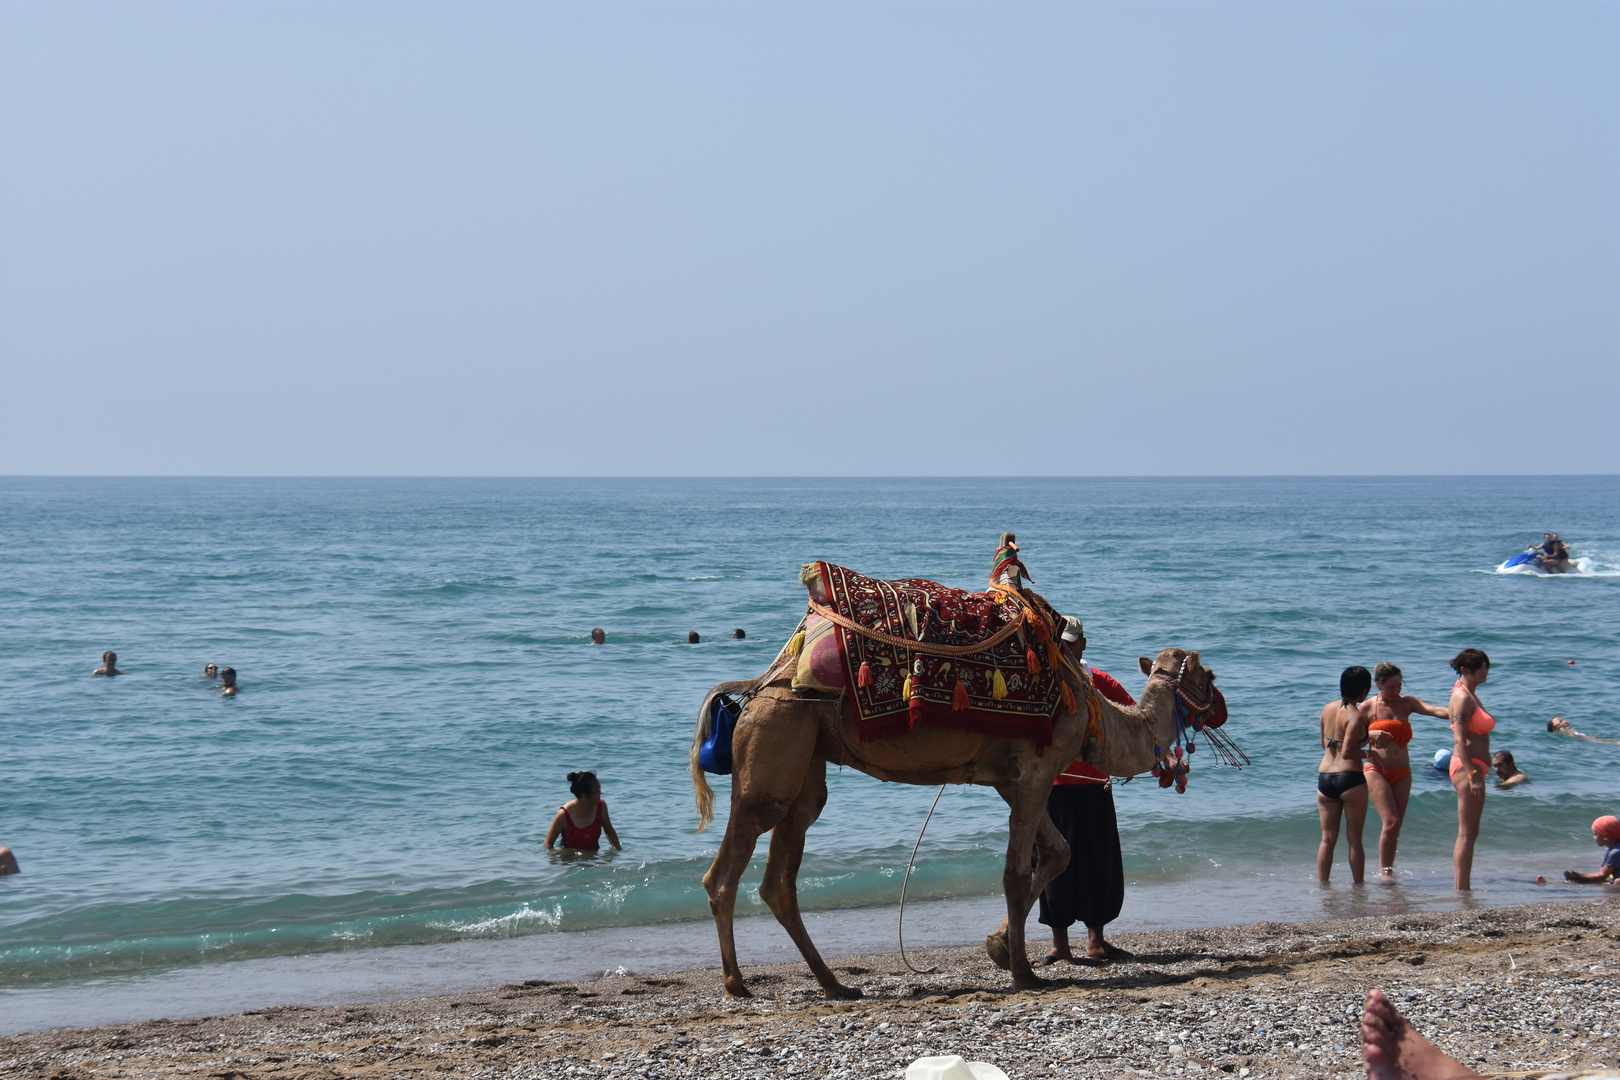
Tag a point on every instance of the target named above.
point(1333, 785)
point(1394, 776)
point(1457, 763)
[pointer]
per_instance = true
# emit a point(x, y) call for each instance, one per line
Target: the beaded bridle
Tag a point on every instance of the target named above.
point(1195, 714)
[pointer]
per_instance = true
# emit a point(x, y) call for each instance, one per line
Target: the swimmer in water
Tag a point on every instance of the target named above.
point(1507, 773)
point(1388, 767)
point(582, 820)
point(211, 671)
point(228, 678)
point(8, 862)
point(109, 665)
point(1559, 726)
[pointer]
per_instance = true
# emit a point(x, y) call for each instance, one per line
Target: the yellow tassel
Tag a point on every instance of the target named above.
point(998, 686)
point(795, 643)
point(905, 689)
point(1068, 698)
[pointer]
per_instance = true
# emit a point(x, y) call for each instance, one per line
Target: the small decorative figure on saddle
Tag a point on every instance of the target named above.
point(1005, 569)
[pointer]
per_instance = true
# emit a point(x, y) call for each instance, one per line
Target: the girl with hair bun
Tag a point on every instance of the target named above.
point(581, 821)
point(1471, 728)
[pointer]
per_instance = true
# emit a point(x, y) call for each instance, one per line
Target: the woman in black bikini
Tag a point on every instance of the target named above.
point(1340, 786)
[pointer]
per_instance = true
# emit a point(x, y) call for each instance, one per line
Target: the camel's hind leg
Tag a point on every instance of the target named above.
point(780, 888)
point(766, 781)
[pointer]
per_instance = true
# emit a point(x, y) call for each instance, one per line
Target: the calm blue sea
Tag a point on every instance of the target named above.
point(417, 680)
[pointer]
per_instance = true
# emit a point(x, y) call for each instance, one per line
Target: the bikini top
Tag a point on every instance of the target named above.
point(1482, 722)
point(1400, 729)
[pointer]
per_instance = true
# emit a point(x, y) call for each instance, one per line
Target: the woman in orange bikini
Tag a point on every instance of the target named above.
point(1387, 768)
point(1471, 728)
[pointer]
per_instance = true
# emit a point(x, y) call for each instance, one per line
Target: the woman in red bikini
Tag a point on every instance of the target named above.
point(1471, 728)
point(582, 820)
point(1387, 768)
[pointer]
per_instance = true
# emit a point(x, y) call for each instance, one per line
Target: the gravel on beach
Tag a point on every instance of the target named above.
point(1509, 991)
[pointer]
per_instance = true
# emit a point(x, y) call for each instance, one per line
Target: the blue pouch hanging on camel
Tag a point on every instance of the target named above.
point(714, 755)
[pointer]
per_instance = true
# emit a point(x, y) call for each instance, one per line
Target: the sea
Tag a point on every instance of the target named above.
point(367, 819)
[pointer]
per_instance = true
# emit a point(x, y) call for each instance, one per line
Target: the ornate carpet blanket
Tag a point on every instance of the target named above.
point(1008, 689)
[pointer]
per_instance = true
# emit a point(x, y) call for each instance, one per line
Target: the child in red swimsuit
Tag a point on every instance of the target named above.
point(581, 821)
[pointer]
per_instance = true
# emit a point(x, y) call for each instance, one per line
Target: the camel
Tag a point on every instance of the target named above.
point(784, 741)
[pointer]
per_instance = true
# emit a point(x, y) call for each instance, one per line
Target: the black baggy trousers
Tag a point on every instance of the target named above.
point(1091, 888)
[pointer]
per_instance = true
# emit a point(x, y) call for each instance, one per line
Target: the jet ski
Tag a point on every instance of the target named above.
point(1535, 560)
point(1530, 556)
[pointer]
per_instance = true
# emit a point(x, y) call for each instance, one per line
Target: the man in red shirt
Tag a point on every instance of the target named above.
point(1091, 888)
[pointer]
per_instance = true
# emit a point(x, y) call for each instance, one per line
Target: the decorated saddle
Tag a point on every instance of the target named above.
point(916, 652)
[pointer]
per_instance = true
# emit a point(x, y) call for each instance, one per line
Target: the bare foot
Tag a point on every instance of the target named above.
point(1394, 1051)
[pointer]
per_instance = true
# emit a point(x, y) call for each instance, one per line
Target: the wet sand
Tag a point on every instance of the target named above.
point(1510, 991)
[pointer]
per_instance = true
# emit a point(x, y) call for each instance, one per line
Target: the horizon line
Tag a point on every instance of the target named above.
point(805, 476)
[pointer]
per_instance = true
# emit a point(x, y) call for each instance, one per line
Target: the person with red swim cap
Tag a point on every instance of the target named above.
point(1606, 831)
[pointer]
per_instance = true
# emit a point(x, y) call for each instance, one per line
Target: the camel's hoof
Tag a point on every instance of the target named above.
point(996, 946)
point(1032, 982)
point(839, 990)
point(738, 989)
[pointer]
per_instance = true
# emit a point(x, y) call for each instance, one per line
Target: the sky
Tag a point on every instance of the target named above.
point(809, 238)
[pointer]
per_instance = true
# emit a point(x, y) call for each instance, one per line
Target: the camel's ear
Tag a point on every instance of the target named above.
point(1145, 664)
point(1192, 660)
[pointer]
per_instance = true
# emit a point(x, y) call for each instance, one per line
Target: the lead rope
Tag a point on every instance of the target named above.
point(907, 880)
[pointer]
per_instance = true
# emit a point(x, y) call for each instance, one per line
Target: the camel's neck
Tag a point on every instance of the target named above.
point(1128, 734)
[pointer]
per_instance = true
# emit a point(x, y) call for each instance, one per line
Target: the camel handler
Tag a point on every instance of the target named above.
point(1091, 888)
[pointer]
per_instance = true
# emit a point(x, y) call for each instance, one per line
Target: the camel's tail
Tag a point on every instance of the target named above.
point(700, 783)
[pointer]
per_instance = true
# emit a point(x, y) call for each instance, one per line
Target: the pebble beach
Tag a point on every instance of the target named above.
point(1510, 991)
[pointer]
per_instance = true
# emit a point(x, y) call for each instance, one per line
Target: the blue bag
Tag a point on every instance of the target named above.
point(714, 756)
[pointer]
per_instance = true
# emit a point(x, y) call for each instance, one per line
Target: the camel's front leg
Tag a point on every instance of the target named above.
point(1024, 825)
point(780, 889)
point(771, 754)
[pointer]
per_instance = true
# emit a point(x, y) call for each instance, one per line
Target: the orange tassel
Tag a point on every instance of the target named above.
point(1032, 662)
point(1041, 631)
point(1068, 697)
point(1053, 657)
point(959, 697)
point(865, 677)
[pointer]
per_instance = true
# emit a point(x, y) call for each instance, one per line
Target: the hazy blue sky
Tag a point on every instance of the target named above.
point(809, 238)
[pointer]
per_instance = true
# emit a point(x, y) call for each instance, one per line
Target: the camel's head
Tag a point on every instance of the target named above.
point(1193, 683)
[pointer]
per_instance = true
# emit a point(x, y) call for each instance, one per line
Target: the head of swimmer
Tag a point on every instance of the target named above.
point(211, 671)
point(1558, 724)
point(1502, 762)
point(1354, 682)
point(584, 785)
point(598, 636)
point(227, 676)
point(1473, 665)
point(1388, 678)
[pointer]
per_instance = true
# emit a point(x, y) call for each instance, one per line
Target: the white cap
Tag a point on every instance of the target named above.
point(951, 1067)
point(1072, 630)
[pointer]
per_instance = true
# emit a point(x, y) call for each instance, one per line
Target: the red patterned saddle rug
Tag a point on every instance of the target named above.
point(930, 655)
